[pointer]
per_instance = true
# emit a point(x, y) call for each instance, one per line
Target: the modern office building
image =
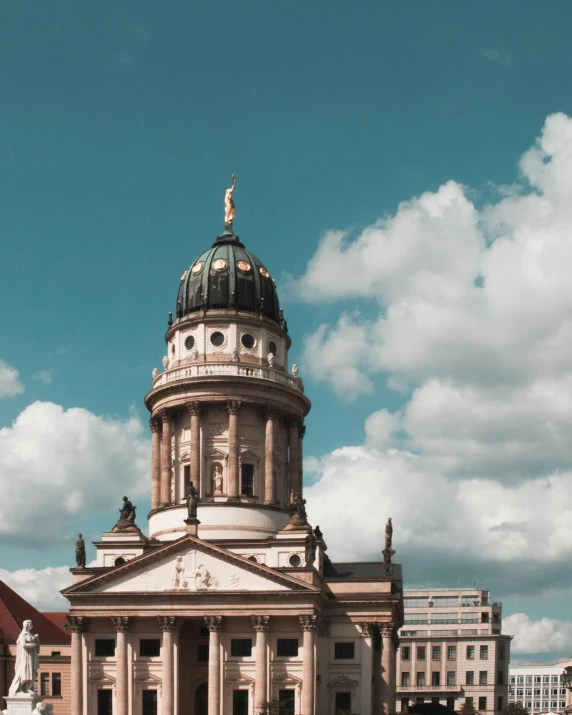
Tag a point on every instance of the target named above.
point(452, 650)
point(539, 688)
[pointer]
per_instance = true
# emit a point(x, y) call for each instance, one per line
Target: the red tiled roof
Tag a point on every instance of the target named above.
point(58, 618)
point(14, 610)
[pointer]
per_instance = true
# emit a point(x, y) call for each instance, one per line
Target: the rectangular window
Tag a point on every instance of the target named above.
point(286, 701)
point(528, 679)
point(420, 679)
point(444, 618)
point(483, 677)
point(435, 678)
point(546, 679)
point(405, 680)
point(470, 677)
point(203, 653)
point(149, 647)
point(104, 647)
point(186, 478)
point(287, 647)
point(554, 691)
point(436, 652)
point(482, 703)
point(484, 617)
point(536, 692)
point(404, 705)
point(104, 702)
point(149, 702)
point(420, 652)
point(56, 684)
point(501, 654)
point(247, 479)
point(469, 700)
point(415, 602)
point(484, 652)
point(529, 692)
point(451, 704)
point(538, 679)
point(343, 702)
point(499, 703)
point(406, 653)
point(451, 677)
point(344, 651)
point(452, 652)
point(554, 678)
point(240, 702)
point(500, 678)
point(44, 683)
point(435, 701)
point(56, 654)
point(469, 618)
point(445, 601)
point(470, 652)
point(241, 648)
point(415, 619)
point(469, 601)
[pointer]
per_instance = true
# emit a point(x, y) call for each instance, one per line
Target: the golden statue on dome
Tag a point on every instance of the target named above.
point(229, 206)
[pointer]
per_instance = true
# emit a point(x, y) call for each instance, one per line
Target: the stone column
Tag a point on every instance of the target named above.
point(121, 625)
point(232, 407)
point(260, 624)
point(214, 624)
point(155, 462)
point(387, 668)
point(302, 432)
point(308, 625)
point(195, 413)
point(294, 458)
point(167, 417)
point(168, 625)
point(367, 631)
point(76, 625)
point(269, 449)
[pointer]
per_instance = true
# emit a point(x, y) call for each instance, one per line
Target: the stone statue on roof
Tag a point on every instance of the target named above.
point(80, 551)
point(229, 206)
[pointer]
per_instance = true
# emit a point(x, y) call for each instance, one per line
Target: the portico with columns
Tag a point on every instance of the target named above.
point(229, 599)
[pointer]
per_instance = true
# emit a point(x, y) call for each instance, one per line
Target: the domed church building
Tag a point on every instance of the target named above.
point(231, 603)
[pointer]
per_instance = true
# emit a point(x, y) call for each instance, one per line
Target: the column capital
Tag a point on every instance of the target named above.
point(233, 406)
point(155, 424)
point(194, 408)
point(260, 623)
point(168, 623)
point(386, 630)
point(308, 623)
point(271, 413)
point(366, 629)
point(121, 623)
point(213, 623)
point(76, 624)
point(166, 414)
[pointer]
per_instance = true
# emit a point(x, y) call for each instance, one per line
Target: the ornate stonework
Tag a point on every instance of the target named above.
point(121, 623)
point(168, 623)
point(76, 624)
point(213, 623)
point(260, 623)
point(308, 623)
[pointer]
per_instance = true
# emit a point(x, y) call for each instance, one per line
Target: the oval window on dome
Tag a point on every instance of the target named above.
point(197, 268)
point(219, 264)
point(263, 272)
point(248, 341)
point(217, 339)
point(272, 347)
point(190, 342)
point(294, 560)
point(243, 266)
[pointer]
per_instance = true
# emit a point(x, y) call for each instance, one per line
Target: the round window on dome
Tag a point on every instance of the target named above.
point(243, 266)
point(272, 347)
point(294, 560)
point(197, 268)
point(248, 341)
point(190, 342)
point(217, 339)
point(263, 272)
point(219, 264)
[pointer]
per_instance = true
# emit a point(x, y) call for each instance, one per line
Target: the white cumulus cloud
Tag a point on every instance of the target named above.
point(56, 464)
point(546, 635)
point(40, 587)
point(10, 384)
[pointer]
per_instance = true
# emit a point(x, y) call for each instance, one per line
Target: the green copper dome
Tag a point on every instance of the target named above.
point(228, 277)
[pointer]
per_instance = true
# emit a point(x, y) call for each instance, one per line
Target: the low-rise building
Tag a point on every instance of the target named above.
point(452, 650)
point(539, 688)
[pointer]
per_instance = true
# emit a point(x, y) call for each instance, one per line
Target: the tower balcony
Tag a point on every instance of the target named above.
point(227, 369)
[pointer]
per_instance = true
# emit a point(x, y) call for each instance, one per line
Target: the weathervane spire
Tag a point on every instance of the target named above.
point(229, 207)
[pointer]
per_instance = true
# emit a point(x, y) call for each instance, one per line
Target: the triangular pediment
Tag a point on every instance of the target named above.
point(240, 678)
point(187, 566)
point(343, 681)
point(286, 679)
point(102, 678)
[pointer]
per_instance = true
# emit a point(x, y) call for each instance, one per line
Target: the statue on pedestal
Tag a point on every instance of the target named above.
point(27, 661)
point(80, 552)
point(192, 501)
point(388, 552)
point(229, 207)
point(126, 521)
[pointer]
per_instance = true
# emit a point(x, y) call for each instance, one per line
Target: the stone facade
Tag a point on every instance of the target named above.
point(218, 614)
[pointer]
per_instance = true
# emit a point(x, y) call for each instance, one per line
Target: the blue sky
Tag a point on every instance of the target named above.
point(122, 122)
